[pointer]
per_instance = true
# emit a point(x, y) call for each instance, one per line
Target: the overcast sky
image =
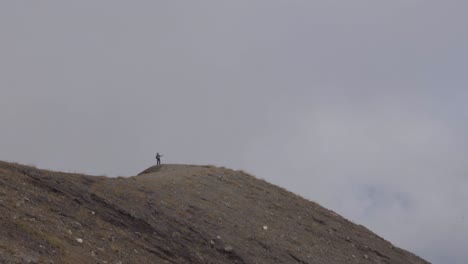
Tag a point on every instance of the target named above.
point(358, 105)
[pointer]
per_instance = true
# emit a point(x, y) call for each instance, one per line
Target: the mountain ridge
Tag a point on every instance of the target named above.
point(173, 214)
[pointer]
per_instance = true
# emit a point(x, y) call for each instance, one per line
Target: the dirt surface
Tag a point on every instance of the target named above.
point(173, 214)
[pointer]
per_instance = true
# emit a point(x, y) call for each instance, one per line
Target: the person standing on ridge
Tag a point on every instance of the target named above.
point(158, 158)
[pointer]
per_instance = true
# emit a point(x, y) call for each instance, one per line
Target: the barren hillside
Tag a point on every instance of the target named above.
point(173, 214)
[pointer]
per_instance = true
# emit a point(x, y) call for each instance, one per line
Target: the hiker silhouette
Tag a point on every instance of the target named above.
point(158, 158)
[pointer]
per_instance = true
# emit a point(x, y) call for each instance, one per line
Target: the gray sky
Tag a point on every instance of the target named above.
point(358, 105)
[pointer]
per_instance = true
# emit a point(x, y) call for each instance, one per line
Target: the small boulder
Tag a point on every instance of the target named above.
point(228, 249)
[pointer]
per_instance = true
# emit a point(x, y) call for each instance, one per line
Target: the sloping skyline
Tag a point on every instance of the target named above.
point(359, 106)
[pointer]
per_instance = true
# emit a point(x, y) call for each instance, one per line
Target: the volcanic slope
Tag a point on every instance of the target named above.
point(173, 214)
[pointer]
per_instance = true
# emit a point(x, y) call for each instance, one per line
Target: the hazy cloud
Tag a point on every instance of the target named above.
point(358, 105)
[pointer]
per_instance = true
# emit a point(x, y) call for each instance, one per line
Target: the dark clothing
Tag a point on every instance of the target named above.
point(158, 158)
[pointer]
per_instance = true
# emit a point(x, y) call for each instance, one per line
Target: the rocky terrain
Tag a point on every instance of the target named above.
point(173, 214)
